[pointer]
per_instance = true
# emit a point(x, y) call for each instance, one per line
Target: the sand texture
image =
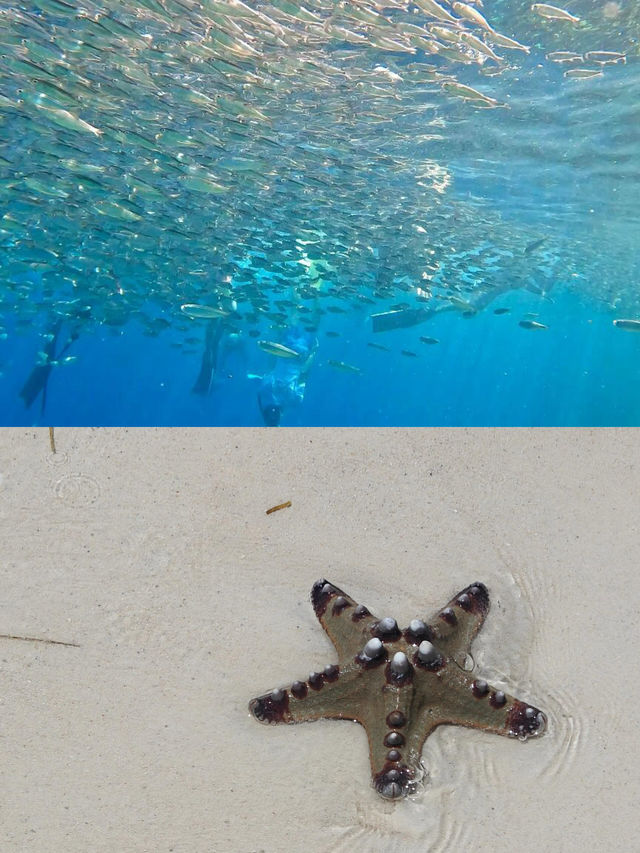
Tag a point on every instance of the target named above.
point(151, 550)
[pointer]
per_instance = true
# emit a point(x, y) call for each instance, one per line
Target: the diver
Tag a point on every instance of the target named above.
point(285, 385)
point(38, 380)
point(221, 342)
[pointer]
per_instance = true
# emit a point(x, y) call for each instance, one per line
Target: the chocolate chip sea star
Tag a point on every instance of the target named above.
point(398, 684)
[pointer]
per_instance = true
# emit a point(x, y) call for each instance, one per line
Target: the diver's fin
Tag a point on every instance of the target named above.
point(202, 385)
point(44, 398)
point(36, 382)
point(39, 376)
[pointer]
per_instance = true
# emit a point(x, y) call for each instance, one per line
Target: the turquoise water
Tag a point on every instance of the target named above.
point(187, 188)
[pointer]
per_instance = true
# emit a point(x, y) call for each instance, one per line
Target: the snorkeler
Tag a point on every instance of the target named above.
point(38, 380)
point(285, 385)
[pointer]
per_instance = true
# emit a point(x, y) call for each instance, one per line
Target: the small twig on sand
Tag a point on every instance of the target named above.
point(38, 640)
point(280, 506)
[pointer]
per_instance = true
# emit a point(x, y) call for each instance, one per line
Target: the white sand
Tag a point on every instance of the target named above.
point(152, 550)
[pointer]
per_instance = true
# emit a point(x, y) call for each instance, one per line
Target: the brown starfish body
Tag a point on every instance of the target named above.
point(398, 684)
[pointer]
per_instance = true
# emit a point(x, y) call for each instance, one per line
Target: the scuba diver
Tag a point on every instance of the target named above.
point(38, 380)
point(285, 385)
point(222, 347)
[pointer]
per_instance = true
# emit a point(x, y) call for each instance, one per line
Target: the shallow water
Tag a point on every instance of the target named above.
point(152, 551)
point(462, 765)
point(172, 154)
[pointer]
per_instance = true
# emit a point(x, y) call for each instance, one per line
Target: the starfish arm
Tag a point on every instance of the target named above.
point(468, 701)
point(331, 694)
point(348, 624)
point(421, 726)
point(455, 625)
point(395, 759)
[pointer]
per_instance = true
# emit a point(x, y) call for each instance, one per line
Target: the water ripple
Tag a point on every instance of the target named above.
point(77, 490)
point(568, 729)
point(411, 826)
point(60, 457)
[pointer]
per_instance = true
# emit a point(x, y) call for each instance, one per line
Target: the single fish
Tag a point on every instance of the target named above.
point(629, 325)
point(564, 56)
point(532, 324)
point(44, 188)
point(203, 184)
point(531, 247)
point(203, 312)
point(409, 353)
point(471, 14)
point(279, 350)
point(506, 42)
point(434, 10)
point(477, 44)
point(450, 34)
point(117, 211)
point(469, 94)
point(68, 121)
point(69, 359)
point(426, 340)
point(344, 367)
point(554, 13)
point(501, 310)
point(605, 57)
point(583, 73)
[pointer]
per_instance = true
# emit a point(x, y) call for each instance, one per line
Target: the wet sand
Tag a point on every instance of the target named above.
point(151, 550)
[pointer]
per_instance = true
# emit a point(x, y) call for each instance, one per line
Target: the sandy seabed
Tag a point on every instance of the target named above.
point(151, 551)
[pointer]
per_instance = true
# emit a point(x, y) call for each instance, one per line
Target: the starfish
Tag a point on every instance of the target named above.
point(400, 685)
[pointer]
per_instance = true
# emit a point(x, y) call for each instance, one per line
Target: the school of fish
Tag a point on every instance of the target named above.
point(174, 161)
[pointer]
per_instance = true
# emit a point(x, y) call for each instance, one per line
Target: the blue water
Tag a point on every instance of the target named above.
point(405, 207)
point(485, 370)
